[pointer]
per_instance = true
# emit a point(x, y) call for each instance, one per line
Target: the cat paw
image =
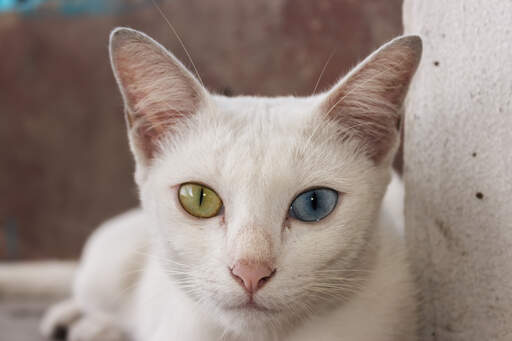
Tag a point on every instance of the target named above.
point(95, 328)
point(65, 321)
point(58, 319)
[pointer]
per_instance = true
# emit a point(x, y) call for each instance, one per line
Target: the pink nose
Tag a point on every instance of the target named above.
point(252, 275)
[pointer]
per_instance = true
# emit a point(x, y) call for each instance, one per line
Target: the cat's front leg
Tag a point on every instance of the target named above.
point(59, 318)
point(66, 321)
point(96, 328)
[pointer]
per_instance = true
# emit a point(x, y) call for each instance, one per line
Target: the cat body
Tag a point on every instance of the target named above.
point(253, 270)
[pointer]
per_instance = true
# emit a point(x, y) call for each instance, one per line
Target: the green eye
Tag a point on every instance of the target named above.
point(199, 200)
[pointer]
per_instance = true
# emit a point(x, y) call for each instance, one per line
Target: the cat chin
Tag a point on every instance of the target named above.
point(246, 320)
point(241, 316)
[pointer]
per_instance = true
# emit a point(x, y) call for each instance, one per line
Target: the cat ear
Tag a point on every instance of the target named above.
point(158, 91)
point(367, 102)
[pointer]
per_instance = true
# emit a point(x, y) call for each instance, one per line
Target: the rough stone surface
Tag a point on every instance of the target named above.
point(65, 163)
point(458, 165)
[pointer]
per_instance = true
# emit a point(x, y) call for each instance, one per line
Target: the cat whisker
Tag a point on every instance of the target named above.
point(341, 271)
point(323, 70)
point(168, 22)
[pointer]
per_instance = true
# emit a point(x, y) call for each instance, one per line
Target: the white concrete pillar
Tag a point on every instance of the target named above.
point(458, 167)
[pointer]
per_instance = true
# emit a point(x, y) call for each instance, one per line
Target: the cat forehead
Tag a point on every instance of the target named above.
point(257, 122)
point(229, 124)
point(273, 110)
point(252, 139)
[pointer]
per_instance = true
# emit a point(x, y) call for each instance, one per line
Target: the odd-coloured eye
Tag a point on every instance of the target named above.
point(314, 205)
point(199, 200)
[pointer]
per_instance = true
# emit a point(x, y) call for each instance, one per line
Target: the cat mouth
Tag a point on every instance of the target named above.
point(251, 306)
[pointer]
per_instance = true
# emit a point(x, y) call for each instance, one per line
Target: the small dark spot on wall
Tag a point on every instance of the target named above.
point(448, 327)
point(479, 195)
point(451, 239)
point(500, 109)
point(444, 230)
point(473, 154)
point(464, 253)
point(436, 63)
point(443, 35)
point(492, 307)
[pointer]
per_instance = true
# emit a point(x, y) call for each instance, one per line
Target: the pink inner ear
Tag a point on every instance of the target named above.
point(368, 103)
point(373, 123)
point(157, 89)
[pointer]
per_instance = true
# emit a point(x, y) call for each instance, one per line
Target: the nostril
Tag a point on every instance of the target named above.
point(236, 277)
point(264, 280)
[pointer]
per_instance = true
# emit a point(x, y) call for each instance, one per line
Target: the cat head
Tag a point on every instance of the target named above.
point(263, 209)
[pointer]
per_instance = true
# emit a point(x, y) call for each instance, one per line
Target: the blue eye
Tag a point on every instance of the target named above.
point(314, 205)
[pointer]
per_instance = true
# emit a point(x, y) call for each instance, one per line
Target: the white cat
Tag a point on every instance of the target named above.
point(261, 219)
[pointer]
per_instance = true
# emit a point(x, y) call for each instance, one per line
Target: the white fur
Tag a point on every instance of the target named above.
point(159, 274)
point(257, 181)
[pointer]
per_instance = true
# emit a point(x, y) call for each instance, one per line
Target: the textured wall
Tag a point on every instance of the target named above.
point(65, 164)
point(458, 167)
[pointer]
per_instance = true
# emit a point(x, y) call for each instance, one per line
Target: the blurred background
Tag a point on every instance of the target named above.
point(64, 159)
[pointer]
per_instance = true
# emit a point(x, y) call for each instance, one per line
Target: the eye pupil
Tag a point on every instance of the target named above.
point(201, 196)
point(314, 201)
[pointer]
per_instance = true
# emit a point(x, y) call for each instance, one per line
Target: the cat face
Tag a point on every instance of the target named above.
point(263, 208)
